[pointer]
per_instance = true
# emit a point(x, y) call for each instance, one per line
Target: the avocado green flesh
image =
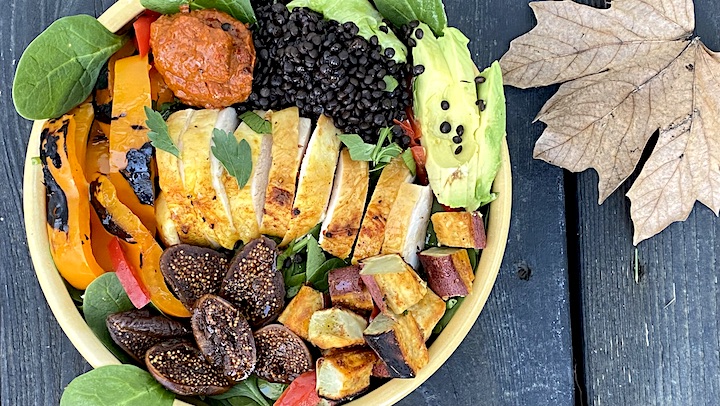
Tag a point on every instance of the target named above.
point(363, 14)
point(461, 180)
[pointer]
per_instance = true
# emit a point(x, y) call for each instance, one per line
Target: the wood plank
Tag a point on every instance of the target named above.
point(519, 351)
point(654, 342)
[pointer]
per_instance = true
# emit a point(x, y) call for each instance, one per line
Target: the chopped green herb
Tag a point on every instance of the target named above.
point(256, 123)
point(390, 83)
point(235, 156)
point(158, 134)
point(409, 160)
point(377, 154)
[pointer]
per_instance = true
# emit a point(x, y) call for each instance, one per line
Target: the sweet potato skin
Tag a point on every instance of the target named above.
point(449, 274)
point(399, 344)
point(395, 291)
point(348, 290)
point(460, 229)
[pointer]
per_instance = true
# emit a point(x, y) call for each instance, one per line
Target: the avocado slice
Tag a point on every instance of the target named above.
point(462, 143)
point(364, 15)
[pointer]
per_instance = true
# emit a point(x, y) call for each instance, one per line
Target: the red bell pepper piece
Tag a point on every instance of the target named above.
point(128, 276)
point(142, 31)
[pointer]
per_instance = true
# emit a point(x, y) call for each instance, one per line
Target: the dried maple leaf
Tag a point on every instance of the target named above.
point(627, 71)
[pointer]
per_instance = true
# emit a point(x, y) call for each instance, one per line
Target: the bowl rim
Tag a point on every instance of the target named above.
point(96, 354)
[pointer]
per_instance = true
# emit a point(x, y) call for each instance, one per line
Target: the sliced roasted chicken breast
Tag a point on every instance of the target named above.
point(407, 223)
point(288, 139)
point(372, 231)
point(186, 218)
point(246, 204)
point(344, 213)
point(317, 172)
point(198, 179)
point(165, 225)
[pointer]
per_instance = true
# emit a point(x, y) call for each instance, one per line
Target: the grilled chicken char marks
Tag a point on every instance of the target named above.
point(193, 271)
point(253, 283)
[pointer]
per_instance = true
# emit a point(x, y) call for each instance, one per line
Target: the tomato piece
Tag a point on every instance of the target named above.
point(128, 276)
point(374, 313)
point(301, 392)
point(142, 31)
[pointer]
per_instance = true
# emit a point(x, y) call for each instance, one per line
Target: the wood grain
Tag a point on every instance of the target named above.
point(519, 351)
point(654, 342)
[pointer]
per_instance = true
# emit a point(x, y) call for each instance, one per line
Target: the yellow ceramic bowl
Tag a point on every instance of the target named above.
point(97, 355)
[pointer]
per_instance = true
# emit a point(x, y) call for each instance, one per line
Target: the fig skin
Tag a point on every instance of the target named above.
point(282, 356)
point(182, 369)
point(253, 283)
point(135, 331)
point(192, 272)
point(224, 337)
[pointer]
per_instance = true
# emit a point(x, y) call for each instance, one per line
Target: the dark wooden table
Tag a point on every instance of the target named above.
point(580, 330)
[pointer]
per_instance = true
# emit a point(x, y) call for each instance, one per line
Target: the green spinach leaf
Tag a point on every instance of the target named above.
point(401, 12)
point(271, 390)
point(59, 68)
point(240, 9)
point(116, 385)
point(451, 307)
point(409, 160)
point(256, 123)
point(320, 277)
point(103, 297)
point(247, 388)
point(158, 134)
point(235, 156)
point(315, 259)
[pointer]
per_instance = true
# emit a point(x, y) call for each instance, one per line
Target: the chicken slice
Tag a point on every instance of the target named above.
point(344, 214)
point(198, 179)
point(407, 223)
point(246, 204)
point(287, 150)
point(186, 219)
point(316, 179)
point(372, 232)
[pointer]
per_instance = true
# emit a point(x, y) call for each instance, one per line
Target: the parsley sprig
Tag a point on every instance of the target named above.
point(378, 154)
point(235, 156)
point(158, 134)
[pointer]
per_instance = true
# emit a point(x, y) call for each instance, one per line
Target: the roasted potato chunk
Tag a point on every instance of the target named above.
point(296, 315)
point(398, 341)
point(448, 270)
point(348, 290)
point(393, 284)
point(336, 328)
point(459, 229)
point(344, 374)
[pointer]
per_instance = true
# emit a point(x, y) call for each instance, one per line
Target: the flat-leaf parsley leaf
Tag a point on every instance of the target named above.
point(235, 156)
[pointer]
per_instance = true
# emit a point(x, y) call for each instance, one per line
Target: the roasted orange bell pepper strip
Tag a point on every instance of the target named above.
point(141, 250)
point(68, 207)
point(131, 159)
point(97, 162)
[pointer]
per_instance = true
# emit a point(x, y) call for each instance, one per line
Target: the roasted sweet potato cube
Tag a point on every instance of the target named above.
point(336, 328)
point(460, 229)
point(448, 271)
point(296, 315)
point(397, 340)
point(380, 370)
point(348, 290)
point(428, 312)
point(393, 284)
point(344, 374)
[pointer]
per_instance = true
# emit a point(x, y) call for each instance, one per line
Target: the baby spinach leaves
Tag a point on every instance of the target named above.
point(235, 156)
point(59, 68)
point(248, 389)
point(103, 297)
point(240, 9)
point(400, 12)
point(158, 134)
point(116, 385)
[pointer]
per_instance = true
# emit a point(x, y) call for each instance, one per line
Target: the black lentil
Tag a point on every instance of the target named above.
point(480, 79)
point(419, 34)
point(458, 150)
point(445, 105)
point(481, 104)
point(445, 127)
point(460, 130)
point(457, 139)
point(324, 67)
point(418, 70)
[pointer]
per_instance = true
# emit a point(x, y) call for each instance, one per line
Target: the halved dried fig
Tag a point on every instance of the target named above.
point(281, 355)
point(224, 337)
point(192, 272)
point(135, 331)
point(182, 369)
point(253, 283)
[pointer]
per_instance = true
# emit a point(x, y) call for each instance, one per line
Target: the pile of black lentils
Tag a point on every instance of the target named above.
point(324, 67)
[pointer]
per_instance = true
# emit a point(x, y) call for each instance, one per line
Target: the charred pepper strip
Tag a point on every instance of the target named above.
point(131, 161)
point(68, 209)
point(141, 250)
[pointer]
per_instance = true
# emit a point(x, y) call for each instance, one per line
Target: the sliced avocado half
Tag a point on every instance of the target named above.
point(462, 143)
